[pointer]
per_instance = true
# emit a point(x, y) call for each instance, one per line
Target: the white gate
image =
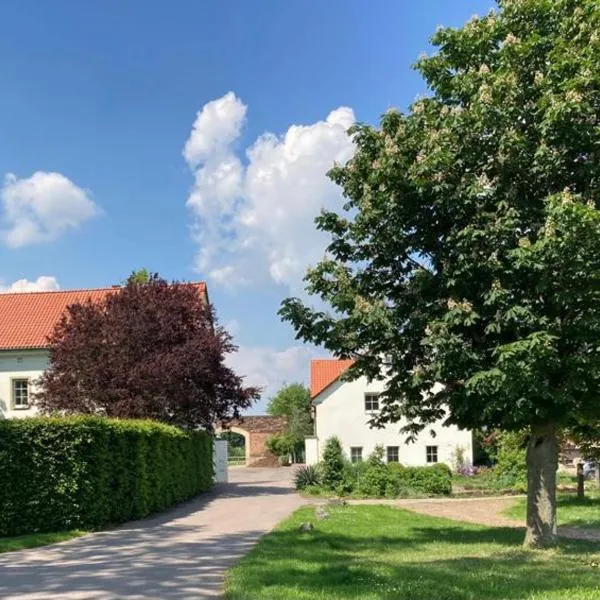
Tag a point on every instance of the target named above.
point(220, 460)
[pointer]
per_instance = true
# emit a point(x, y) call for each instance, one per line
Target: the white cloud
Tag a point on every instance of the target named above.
point(44, 283)
point(268, 368)
point(217, 125)
point(41, 208)
point(255, 222)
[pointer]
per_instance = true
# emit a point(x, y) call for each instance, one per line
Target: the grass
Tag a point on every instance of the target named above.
point(32, 540)
point(382, 553)
point(571, 512)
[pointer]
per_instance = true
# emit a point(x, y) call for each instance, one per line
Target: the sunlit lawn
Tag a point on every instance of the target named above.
point(381, 553)
point(20, 542)
point(571, 512)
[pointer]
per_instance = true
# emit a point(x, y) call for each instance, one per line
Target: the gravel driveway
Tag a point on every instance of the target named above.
point(178, 555)
point(485, 511)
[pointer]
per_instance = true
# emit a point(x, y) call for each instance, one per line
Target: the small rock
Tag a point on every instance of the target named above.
point(306, 527)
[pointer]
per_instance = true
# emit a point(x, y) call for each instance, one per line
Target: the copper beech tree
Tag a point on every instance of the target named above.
point(468, 250)
point(149, 350)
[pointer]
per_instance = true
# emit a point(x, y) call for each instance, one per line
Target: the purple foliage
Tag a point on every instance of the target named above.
point(467, 470)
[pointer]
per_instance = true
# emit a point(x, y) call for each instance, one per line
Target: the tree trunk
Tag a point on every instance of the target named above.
point(542, 464)
point(597, 474)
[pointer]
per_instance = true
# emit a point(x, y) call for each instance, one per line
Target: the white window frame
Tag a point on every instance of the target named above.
point(430, 453)
point(373, 399)
point(395, 449)
point(13, 392)
point(358, 458)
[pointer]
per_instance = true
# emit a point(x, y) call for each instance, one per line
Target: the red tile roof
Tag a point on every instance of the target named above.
point(323, 372)
point(28, 318)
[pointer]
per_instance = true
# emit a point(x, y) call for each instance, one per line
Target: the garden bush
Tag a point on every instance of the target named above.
point(435, 480)
point(87, 472)
point(374, 478)
point(332, 467)
point(398, 481)
point(394, 480)
point(307, 476)
point(510, 470)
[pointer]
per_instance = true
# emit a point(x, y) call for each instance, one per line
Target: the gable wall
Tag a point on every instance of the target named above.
point(340, 412)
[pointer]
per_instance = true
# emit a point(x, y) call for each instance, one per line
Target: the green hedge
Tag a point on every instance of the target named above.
point(87, 472)
point(434, 480)
point(394, 480)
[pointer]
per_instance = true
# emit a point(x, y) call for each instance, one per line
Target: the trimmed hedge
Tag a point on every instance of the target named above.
point(88, 472)
point(394, 480)
point(434, 480)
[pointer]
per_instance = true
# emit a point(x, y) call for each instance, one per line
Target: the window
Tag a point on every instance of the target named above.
point(431, 453)
point(371, 402)
point(356, 454)
point(393, 454)
point(20, 391)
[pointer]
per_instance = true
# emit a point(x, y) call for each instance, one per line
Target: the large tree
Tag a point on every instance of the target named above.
point(291, 397)
point(468, 252)
point(292, 401)
point(149, 350)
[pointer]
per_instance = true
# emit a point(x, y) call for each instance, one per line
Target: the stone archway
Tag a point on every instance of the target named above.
point(245, 435)
point(256, 430)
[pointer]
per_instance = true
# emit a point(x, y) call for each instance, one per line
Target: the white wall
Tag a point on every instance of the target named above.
point(28, 364)
point(340, 411)
point(311, 450)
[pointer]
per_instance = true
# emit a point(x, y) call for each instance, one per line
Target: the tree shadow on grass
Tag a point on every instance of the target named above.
point(421, 563)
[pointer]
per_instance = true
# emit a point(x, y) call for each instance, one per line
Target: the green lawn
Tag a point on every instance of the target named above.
point(20, 542)
point(381, 553)
point(570, 511)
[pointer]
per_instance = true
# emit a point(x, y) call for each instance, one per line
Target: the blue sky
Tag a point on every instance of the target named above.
point(192, 138)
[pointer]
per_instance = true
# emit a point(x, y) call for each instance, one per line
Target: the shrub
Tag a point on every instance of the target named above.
point(375, 459)
point(510, 470)
point(435, 480)
point(353, 473)
point(307, 476)
point(374, 481)
point(459, 459)
point(332, 468)
point(280, 445)
point(87, 472)
point(398, 481)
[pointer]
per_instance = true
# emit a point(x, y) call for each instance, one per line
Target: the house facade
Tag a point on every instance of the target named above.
point(343, 409)
point(26, 321)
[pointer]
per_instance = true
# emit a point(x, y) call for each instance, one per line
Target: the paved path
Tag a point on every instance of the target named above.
point(180, 555)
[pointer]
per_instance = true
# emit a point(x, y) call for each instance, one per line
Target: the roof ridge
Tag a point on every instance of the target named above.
point(98, 289)
point(329, 359)
point(65, 291)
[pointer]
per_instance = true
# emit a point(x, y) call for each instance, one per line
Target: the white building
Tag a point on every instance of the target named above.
point(343, 409)
point(26, 321)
